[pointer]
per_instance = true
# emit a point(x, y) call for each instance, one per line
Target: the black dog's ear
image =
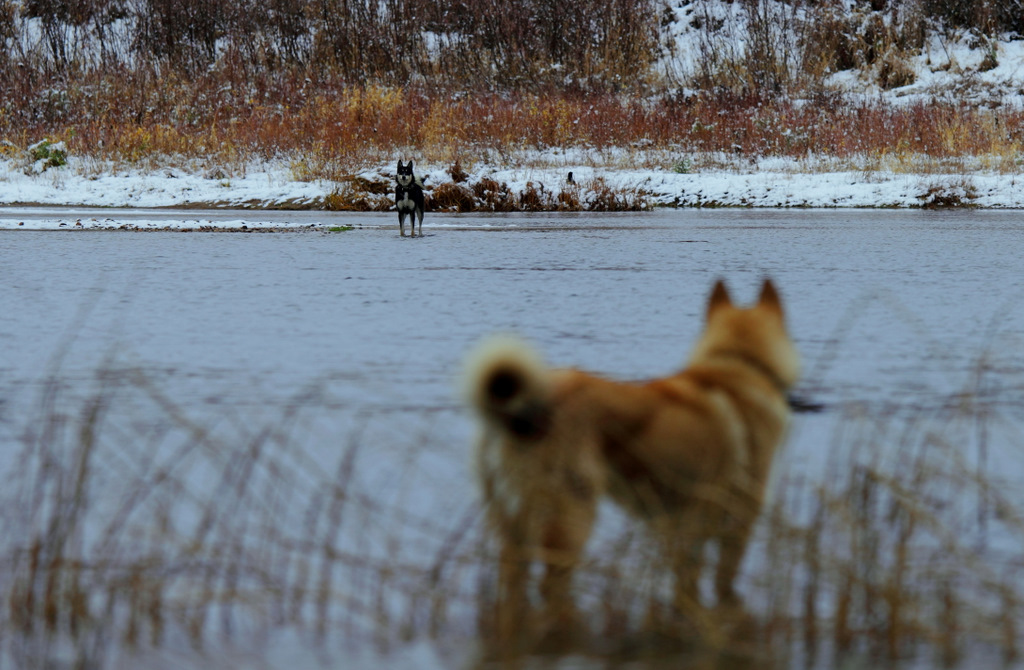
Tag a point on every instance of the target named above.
point(410, 163)
point(399, 164)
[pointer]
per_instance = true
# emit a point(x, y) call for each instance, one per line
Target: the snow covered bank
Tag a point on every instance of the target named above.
point(733, 183)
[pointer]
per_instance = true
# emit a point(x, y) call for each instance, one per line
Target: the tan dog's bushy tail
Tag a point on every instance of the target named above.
point(509, 386)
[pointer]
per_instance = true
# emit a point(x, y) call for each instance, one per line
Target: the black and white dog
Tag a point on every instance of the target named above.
point(408, 198)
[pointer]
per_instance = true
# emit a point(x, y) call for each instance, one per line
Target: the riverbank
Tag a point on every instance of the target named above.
point(698, 104)
point(537, 183)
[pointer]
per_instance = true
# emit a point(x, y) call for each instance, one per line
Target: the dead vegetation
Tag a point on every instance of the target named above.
point(487, 195)
point(132, 525)
point(160, 84)
point(962, 193)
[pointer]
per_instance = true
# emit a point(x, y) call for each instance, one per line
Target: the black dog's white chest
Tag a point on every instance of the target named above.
point(404, 202)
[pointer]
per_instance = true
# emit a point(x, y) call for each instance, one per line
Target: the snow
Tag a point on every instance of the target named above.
point(83, 182)
point(775, 182)
point(950, 66)
point(951, 69)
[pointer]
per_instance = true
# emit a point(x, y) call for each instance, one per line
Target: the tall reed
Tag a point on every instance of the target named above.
point(135, 523)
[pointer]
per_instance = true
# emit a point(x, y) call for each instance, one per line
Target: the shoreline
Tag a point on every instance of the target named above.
point(269, 187)
point(63, 218)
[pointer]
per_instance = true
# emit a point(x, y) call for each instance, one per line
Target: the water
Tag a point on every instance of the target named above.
point(892, 311)
point(914, 298)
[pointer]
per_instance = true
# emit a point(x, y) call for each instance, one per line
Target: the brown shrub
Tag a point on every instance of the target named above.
point(531, 44)
point(605, 198)
point(953, 195)
point(534, 199)
point(991, 60)
point(895, 71)
point(458, 175)
point(374, 186)
point(833, 37)
point(828, 42)
point(569, 198)
point(450, 196)
point(350, 198)
point(989, 17)
point(520, 44)
point(494, 197)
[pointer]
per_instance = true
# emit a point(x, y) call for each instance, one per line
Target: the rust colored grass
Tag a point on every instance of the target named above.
point(334, 128)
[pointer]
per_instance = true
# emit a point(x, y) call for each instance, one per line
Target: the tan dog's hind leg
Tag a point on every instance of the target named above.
point(512, 604)
point(687, 555)
point(736, 527)
point(732, 548)
point(563, 544)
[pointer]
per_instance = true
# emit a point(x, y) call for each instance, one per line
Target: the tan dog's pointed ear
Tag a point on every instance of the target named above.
point(769, 296)
point(719, 297)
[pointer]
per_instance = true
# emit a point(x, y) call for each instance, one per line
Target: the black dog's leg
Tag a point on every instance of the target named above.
point(401, 223)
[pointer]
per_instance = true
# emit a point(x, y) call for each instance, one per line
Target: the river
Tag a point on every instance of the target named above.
point(359, 330)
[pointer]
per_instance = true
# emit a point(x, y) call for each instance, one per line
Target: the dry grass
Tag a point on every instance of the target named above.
point(901, 557)
point(521, 44)
point(335, 131)
point(127, 534)
point(487, 195)
point(132, 525)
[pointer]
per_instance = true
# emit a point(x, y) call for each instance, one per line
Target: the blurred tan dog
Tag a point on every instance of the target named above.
point(689, 453)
